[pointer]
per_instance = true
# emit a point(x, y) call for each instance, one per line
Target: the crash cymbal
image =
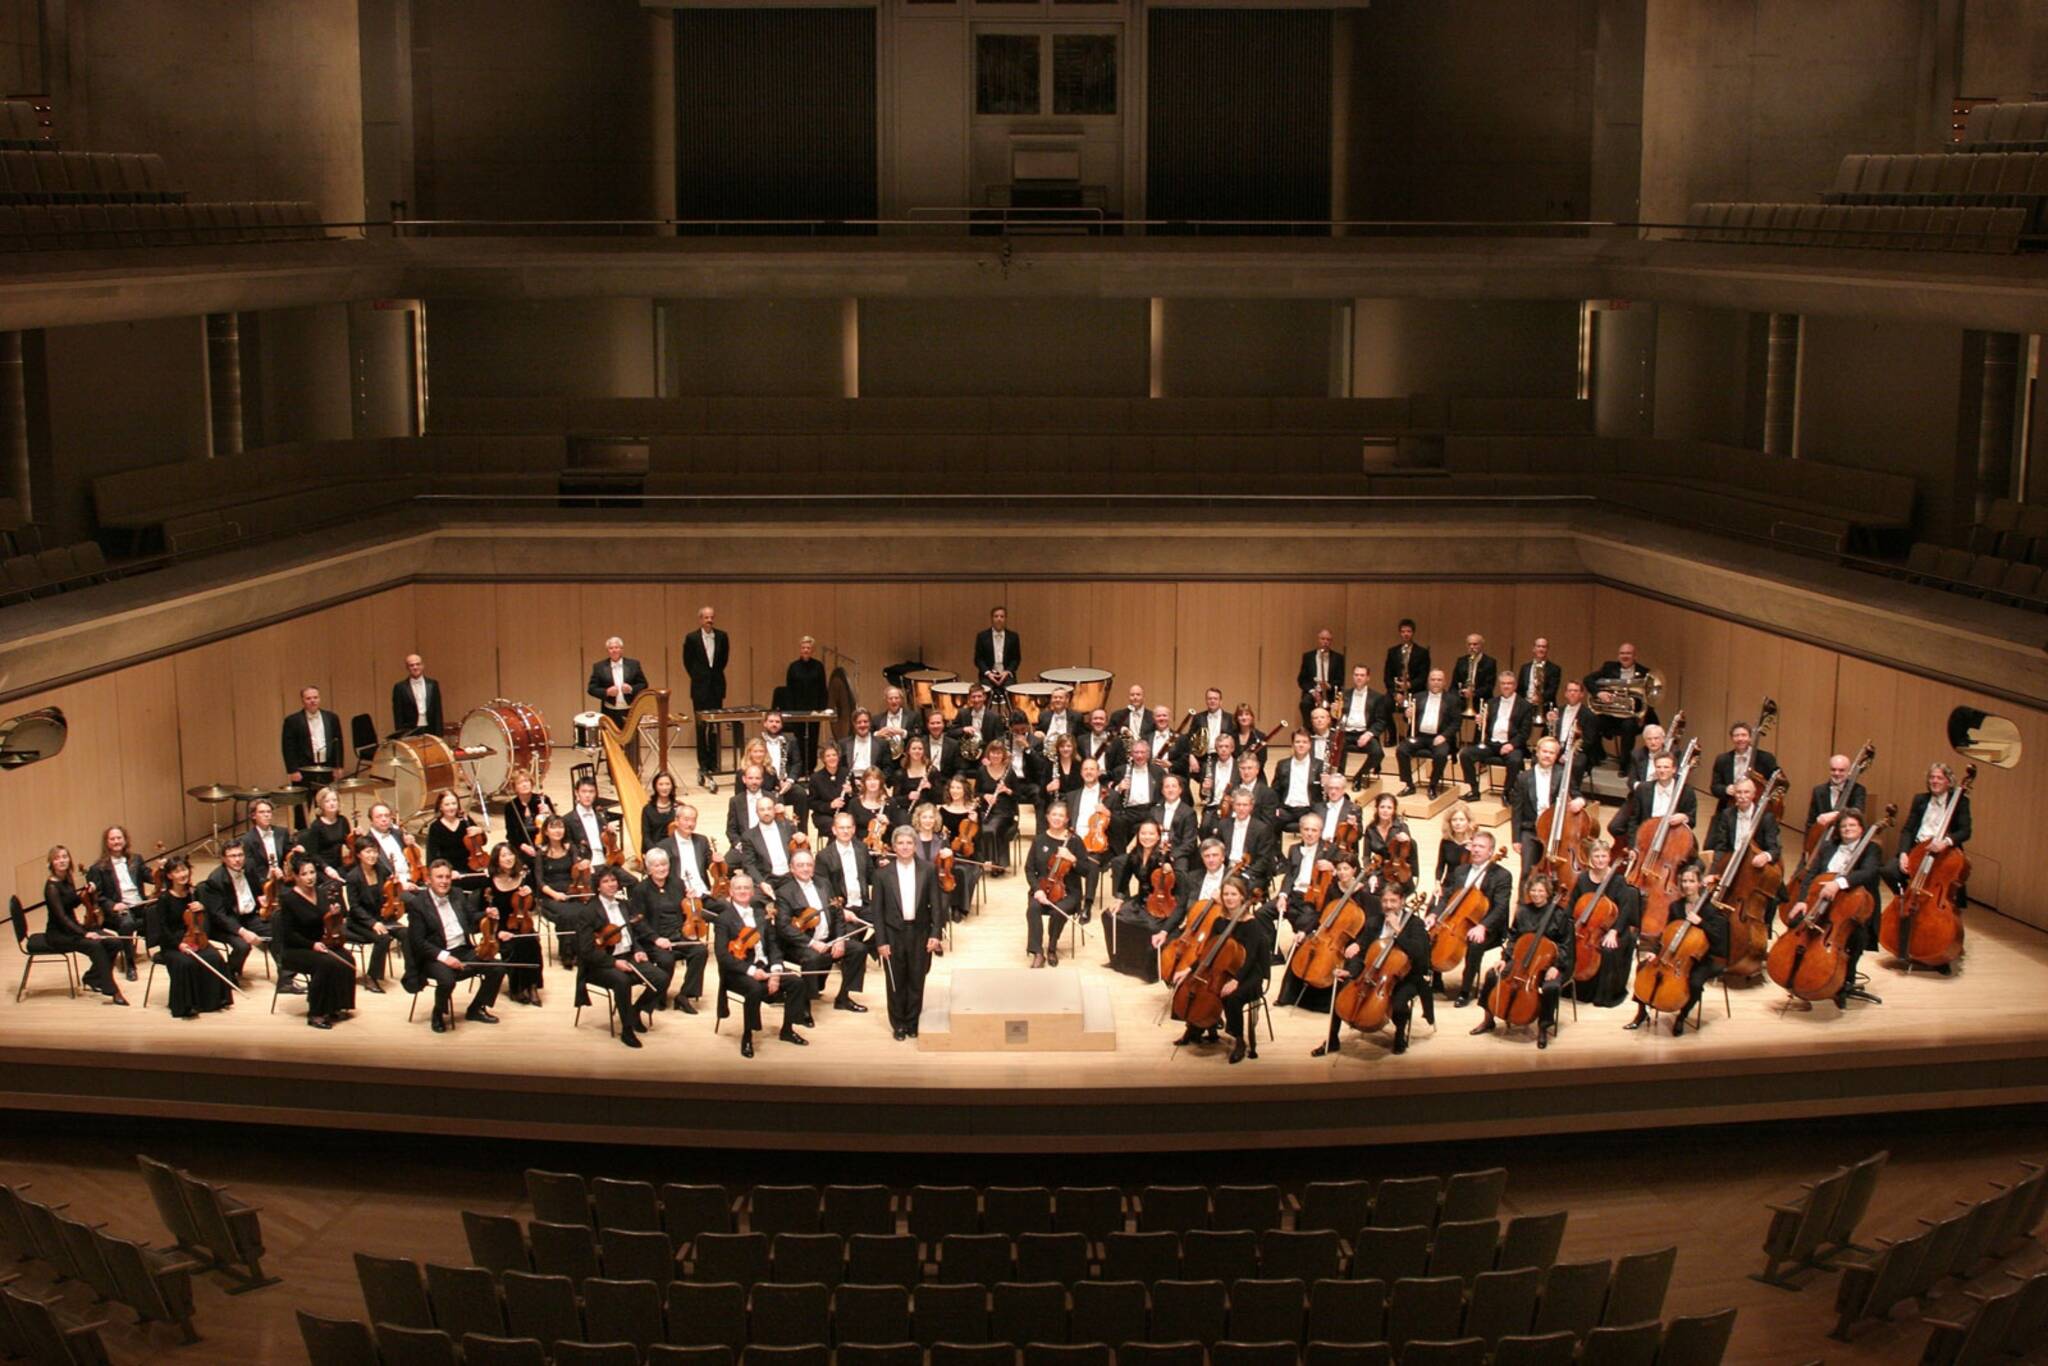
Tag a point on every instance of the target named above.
point(214, 792)
point(364, 782)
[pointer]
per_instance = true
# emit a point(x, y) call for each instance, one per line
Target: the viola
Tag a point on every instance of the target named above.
point(333, 918)
point(1367, 1001)
point(520, 919)
point(1593, 915)
point(1747, 893)
point(1345, 836)
point(1198, 997)
point(1160, 902)
point(1318, 955)
point(153, 870)
point(1922, 925)
point(720, 877)
point(1664, 983)
point(267, 905)
point(1454, 922)
point(1518, 995)
point(474, 838)
point(1662, 848)
point(1810, 959)
point(1397, 864)
point(1096, 840)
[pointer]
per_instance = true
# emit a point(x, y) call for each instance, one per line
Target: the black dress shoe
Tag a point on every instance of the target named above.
point(1052, 958)
point(1484, 1026)
point(1322, 1050)
point(1678, 1027)
point(1400, 1043)
point(630, 1040)
point(374, 988)
point(746, 1045)
point(900, 1034)
point(913, 1031)
point(683, 1004)
point(1462, 1000)
point(440, 1025)
point(845, 1004)
point(789, 1035)
point(480, 1015)
point(1408, 791)
point(131, 972)
point(319, 1022)
point(1237, 1050)
point(1636, 1023)
point(1542, 1039)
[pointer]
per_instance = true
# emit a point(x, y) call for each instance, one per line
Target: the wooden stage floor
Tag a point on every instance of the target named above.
point(1979, 1037)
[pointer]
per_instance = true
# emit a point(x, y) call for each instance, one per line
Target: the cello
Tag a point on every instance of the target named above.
point(1593, 915)
point(1447, 940)
point(1319, 954)
point(1663, 847)
point(1921, 925)
point(1664, 983)
point(1746, 893)
point(1198, 997)
point(1517, 997)
point(1367, 1001)
point(1818, 831)
point(1810, 959)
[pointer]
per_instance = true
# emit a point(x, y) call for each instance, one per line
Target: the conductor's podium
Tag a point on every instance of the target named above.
point(1017, 1010)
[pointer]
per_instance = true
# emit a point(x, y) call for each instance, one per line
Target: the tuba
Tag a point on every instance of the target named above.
point(1632, 699)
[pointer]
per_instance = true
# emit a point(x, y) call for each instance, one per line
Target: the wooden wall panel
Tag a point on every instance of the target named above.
point(458, 639)
point(146, 716)
point(1213, 620)
point(1285, 619)
point(539, 661)
point(206, 729)
point(1136, 629)
point(1058, 622)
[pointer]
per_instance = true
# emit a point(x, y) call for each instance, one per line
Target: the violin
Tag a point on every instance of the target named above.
point(1054, 883)
point(1454, 922)
point(1518, 995)
point(1747, 893)
point(1664, 983)
point(1810, 959)
point(1367, 1001)
point(579, 878)
point(966, 835)
point(1160, 902)
point(416, 864)
point(333, 918)
point(806, 920)
point(1198, 997)
point(1593, 915)
point(741, 946)
point(1345, 836)
point(695, 927)
point(195, 927)
point(720, 877)
point(614, 852)
point(942, 860)
point(487, 945)
point(1921, 925)
point(608, 935)
point(474, 838)
point(1318, 955)
point(89, 917)
point(1096, 840)
point(878, 832)
point(266, 906)
point(153, 870)
point(1662, 848)
point(393, 905)
point(520, 919)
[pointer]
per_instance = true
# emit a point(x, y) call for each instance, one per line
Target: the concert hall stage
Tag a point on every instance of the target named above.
point(1978, 1038)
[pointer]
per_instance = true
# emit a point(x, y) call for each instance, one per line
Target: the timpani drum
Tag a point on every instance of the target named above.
point(921, 682)
point(1032, 698)
point(420, 767)
point(950, 698)
point(518, 738)
point(586, 725)
point(1089, 686)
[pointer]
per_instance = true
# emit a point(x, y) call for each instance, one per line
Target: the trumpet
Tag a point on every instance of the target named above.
point(1631, 698)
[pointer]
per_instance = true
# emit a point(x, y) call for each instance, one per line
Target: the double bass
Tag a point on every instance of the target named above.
point(1921, 925)
point(1810, 959)
point(1818, 831)
point(1367, 1001)
point(1747, 893)
point(1447, 940)
point(1318, 955)
point(1663, 847)
point(1518, 996)
point(1565, 833)
point(1593, 915)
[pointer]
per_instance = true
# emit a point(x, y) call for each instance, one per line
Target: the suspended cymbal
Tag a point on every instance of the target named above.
point(248, 794)
point(364, 782)
point(214, 792)
point(284, 794)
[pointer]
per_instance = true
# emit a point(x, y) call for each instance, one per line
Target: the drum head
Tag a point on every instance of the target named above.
point(1090, 686)
point(950, 697)
point(1032, 698)
point(485, 727)
point(921, 681)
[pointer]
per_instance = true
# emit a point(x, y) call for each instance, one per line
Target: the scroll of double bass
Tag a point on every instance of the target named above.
point(1747, 893)
point(1921, 925)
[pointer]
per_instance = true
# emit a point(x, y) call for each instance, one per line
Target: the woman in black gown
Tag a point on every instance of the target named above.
point(1131, 928)
point(330, 974)
point(194, 990)
point(522, 954)
point(660, 811)
point(65, 932)
point(804, 689)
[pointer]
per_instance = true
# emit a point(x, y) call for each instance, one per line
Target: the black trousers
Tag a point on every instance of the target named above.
point(621, 982)
point(330, 979)
point(853, 968)
point(380, 949)
point(1486, 752)
point(1288, 818)
point(1366, 743)
point(707, 741)
point(693, 954)
point(445, 977)
point(1043, 924)
point(98, 955)
point(1475, 954)
point(1437, 749)
point(194, 990)
point(905, 971)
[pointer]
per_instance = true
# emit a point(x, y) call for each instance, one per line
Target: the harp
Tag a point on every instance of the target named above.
point(625, 778)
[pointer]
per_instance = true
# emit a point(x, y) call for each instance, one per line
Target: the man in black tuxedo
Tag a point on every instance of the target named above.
point(827, 944)
point(906, 915)
point(1623, 730)
point(1245, 837)
point(1472, 677)
point(1741, 760)
point(758, 974)
point(1320, 676)
point(1434, 734)
point(313, 746)
point(440, 921)
point(229, 896)
point(1503, 738)
point(706, 652)
point(1407, 665)
point(1838, 794)
point(998, 652)
point(1367, 719)
point(1540, 678)
point(615, 681)
point(1498, 886)
point(415, 701)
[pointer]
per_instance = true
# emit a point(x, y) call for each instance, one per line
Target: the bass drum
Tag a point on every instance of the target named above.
point(420, 767)
point(517, 737)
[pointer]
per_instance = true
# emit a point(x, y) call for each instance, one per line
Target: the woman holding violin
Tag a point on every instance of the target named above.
point(1144, 882)
point(1538, 960)
point(1606, 920)
point(876, 810)
point(1055, 872)
point(1388, 840)
point(960, 820)
point(1853, 871)
point(562, 878)
point(198, 973)
point(1694, 909)
point(1251, 929)
point(1389, 928)
point(509, 892)
point(311, 944)
point(73, 925)
point(525, 814)
point(376, 904)
point(453, 835)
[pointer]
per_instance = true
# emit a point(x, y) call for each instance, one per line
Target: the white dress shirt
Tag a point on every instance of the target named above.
point(1930, 820)
point(849, 863)
point(452, 932)
point(778, 858)
point(1297, 782)
point(592, 828)
point(1427, 717)
point(906, 890)
point(419, 698)
point(316, 734)
point(394, 854)
point(1503, 712)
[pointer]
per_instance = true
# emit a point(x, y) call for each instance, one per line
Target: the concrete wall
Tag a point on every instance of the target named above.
point(1471, 109)
point(1492, 350)
point(119, 396)
point(591, 348)
point(245, 99)
point(1761, 99)
point(1886, 396)
point(533, 108)
point(303, 363)
point(1703, 366)
point(763, 347)
point(1245, 347)
point(939, 347)
point(2004, 49)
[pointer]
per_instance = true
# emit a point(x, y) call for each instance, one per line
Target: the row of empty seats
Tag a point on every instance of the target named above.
point(87, 227)
point(1822, 1222)
point(153, 1284)
point(85, 178)
point(2011, 1323)
point(25, 125)
point(2013, 583)
point(1988, 180)
point(1886, 227)
point(52, 571)
point(2011, 529)
point(2018, 125)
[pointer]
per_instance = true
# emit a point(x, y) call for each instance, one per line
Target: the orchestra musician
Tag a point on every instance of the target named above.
point(1246, 839)
point(959, 806)
point(558, 867)
point(524, 814)
point(1027, 767)
point(441, 926)
point(895, 725)
point(1367, 720)
point(1322, 735)
point(998, 651)
point(1133, 721)
point(364, 888)
point(1697, 908)
point(657, 899)
point(784, 771)
point(1058, 719)
point(976, 719)
point(1092, 796)
point(744, 810)
point(832, 942)
point(1923, 820)
point(1246, 737)
point(995, 799)
point(1130, 882)
point(623, 967)
point(1251, 778)
point(907, 918)
point(1538, 680)
point(860, 749)
point(302, 948)
point(661, 805)
point(1742, 759)
point(1042, 941)
point(942, 747)
point(1407, 664)
point(1432, 734)
point(1622, 730)
point(826, 789)
point(451, 825)
point(1134, 796)
point(1204, 883)
point(311, 742)
point(1474, 677)
point(264, 842)
point(1178, 822)
point(328, 837)
point(755, 974)
point(1540, 787)
point(764, 851)
point(1168, 748)
point(1653, 800)
point(1341, 865)
point(615, 681)
point(804, 689)
point(1212, 722)
point(1389, 842)
point(1308, 859)
point(1335, 807)
point(706, 652)
point(1642, 760)
point(229, 895)
point(1219, 770)
point(847, 867)
point(415, 701)
point(117, 875)
point(1536, 915)
point(1320, 676)
point(1383, 922)
point(508, 877)
point(689, 856)
point(917, 776)
point(872, 801)
point(1490, 933)
point(1453, 846)
point(1297, 782)
point(1831, 798)
point(1742, 817)
point(1256, 933)
point(586, 824)
point(1612, 984)
point(1503, 735)
point(1568, 718)
point(198, 975)
point(65, 932)
point(1864, 874)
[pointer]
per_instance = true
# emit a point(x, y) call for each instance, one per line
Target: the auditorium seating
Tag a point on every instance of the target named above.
point(112, 225)
point(155, 1285)
point(2019, 126)
point(1822, 1223)
point(56, 570)
point(86, 178)
point(25, 126)
point(1890, 225)
point(208, 1223)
